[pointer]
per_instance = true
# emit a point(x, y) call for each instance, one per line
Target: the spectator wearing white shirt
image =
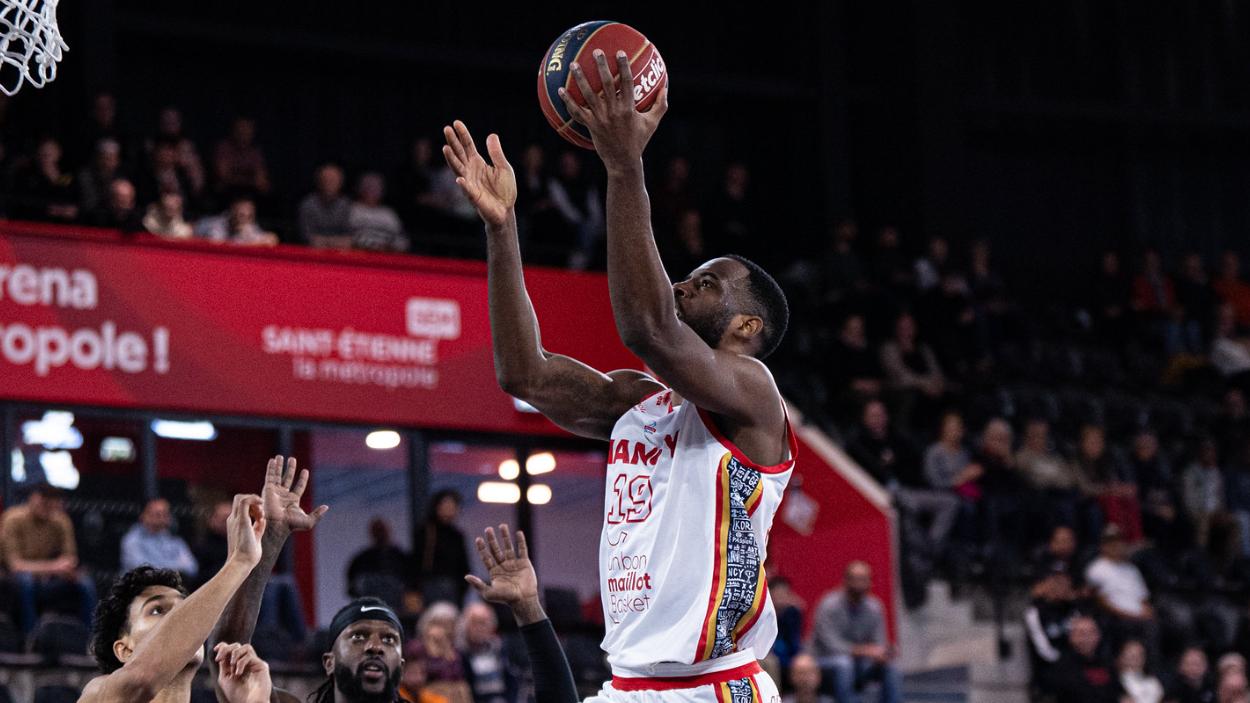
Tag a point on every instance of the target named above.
point(1139, 686)
point(236, 226)
point(1121, 592)
point(150, 542)
point(164, 217)
point(1230, 353)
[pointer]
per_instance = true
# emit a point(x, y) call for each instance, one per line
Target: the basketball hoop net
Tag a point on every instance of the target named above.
point(30, 43)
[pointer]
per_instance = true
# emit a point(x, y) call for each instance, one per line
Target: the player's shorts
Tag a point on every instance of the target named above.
point(744, 684)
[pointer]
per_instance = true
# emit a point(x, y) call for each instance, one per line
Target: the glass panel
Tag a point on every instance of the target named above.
point(97, 459)
point(566, 529)
point(362, 477)
point(200, 465)
point(471, 470)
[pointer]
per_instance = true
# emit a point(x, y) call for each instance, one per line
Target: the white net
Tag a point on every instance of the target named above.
point(30, 43)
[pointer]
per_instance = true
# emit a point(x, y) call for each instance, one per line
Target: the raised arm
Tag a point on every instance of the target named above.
point(571, 394)
point(643, 301)
point(181, 633)
point(514, 584)
point(280, 498)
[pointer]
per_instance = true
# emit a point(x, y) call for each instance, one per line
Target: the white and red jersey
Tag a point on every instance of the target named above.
point(685, 535)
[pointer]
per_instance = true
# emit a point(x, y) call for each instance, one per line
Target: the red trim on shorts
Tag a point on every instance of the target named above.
point(672, 683)
point(781, 468)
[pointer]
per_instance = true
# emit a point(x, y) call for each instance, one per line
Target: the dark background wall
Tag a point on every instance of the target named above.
point(1052, 128)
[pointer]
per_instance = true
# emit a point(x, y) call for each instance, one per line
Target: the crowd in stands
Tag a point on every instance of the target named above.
point(165, 184)
point(1106, 419)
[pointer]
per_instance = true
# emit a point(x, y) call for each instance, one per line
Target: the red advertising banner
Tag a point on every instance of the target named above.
point(86, 318)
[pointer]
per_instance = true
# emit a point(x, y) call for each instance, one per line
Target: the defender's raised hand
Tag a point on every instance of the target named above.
point(619, 131)
point(512, 578)
point(491, 187)
point(284, 488)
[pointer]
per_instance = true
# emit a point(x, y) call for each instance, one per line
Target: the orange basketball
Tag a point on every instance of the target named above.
point(578, 45)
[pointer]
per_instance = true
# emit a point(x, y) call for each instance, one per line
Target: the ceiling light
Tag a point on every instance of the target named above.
point(382, 439)
point(117, 449)
point(498, 492)
point(202, 431)
point(509, 470)
point(539, 494)
point(55, 430)
point(541, 463)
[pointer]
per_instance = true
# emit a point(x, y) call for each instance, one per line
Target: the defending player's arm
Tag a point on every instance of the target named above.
point(722, 382)
point(575, 396)
point(514, 583)
point(280, 498)
point(159, 658)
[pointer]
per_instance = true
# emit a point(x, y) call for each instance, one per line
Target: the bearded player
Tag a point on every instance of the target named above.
point(697, 468)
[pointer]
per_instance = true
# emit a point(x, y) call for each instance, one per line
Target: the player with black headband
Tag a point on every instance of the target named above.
point(365, 661)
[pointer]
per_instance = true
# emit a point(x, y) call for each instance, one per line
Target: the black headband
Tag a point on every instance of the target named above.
point(363, 609)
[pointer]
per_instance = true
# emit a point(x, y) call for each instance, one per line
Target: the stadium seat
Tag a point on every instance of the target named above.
point(10, 636)
point(56, 635)
point(384, 586)
point(56, 694)
point(564, 608)
point(586, 660)
point(273, 643)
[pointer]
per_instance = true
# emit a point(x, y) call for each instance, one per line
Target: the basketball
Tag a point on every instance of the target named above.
point(578, 45)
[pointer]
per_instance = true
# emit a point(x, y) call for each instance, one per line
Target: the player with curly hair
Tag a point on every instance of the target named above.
point(148, 635)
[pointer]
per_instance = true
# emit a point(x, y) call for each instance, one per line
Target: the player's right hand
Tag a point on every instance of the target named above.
point(242, 675)
point(244, 529)
point(491, 187)
point(512, 577)
point(284, 488)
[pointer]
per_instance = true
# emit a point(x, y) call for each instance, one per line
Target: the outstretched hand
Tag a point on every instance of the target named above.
point(491, 187)
point(284, 488)
point(619, 131)
point(512, 578)
point(242, 675)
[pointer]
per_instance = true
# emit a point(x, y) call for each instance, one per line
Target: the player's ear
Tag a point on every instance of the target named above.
point(748, 326)
point(327, 663)
point(122, 650)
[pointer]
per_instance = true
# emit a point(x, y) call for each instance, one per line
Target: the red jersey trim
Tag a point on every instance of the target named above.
point(663, 389)
point(707, 637)
point(742, 458)
point(672, 683)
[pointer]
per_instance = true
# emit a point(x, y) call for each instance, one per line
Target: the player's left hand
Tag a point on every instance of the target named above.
point(242, 676)
point(512, 577)
point(619, 131)
point(284, 487)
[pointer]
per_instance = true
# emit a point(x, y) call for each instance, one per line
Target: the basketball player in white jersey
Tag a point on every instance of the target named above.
point(697, 468)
